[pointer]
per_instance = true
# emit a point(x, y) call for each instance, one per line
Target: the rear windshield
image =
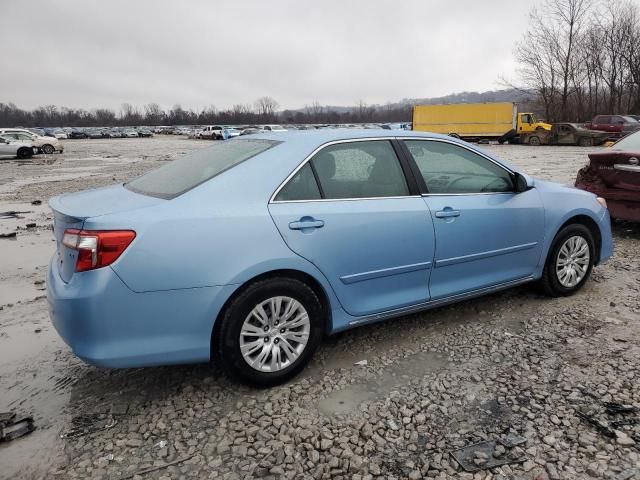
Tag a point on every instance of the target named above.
point(188, 172)
point(630, 143)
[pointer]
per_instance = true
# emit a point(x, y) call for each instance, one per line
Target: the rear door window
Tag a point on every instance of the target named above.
point(367, 169)
point(188, 172)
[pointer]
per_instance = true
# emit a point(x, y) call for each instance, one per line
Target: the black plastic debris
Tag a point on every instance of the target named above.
point(12, 214)
point(614, 408)
point(36, 202)
point(485, 455)
point(8, 235)
point(10, 428)
point(31, 225)
point(512, 440)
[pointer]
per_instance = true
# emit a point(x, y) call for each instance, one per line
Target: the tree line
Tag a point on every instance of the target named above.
point(262, 111)
point(582, 58)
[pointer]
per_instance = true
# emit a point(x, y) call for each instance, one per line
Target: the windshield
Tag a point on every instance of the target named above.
point(190, 171)
point(630, 142)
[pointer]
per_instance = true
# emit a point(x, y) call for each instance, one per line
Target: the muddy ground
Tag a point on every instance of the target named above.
point(514, 362)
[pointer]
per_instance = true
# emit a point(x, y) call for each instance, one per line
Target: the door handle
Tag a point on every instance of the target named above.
point(448, 212)
point(305, 223)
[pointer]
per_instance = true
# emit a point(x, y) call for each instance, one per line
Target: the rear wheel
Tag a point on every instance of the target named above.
point(25, 152)
point(534, 140)
point(586, 142)
point(569, 262)
point(48, 149)
point(269, 332)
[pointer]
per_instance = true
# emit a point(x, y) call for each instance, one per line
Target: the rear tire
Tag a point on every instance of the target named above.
point(586, 142)
point(554, 282)
point(274, 353)
point(24, 152)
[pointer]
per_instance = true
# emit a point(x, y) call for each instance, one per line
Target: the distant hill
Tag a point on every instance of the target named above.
point(506, 95)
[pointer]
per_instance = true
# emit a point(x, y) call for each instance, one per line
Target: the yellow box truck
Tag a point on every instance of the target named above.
point(476, 121)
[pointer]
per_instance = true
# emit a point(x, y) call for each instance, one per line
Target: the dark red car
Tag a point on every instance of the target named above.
point(617, 125)
point(614, 174)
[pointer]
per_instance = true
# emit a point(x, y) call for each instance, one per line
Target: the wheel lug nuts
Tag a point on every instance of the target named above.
point(276, 340)
point(266, 339)
point(282, 330)
point(266, 329)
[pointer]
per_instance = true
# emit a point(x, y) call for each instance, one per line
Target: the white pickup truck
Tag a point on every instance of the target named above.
point(212, 132)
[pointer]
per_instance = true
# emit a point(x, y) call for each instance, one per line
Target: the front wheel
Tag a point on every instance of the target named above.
point(48, 149)
point(534, 141)
point(270, 331)
point(25, 152)
point(569, 262)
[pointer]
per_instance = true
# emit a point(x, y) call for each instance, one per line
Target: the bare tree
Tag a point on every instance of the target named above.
point(266, 107)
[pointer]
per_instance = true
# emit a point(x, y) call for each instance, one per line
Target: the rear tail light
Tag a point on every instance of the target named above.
point(97, 248)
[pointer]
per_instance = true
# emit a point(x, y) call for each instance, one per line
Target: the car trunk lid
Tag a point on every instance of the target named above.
point(71, 210)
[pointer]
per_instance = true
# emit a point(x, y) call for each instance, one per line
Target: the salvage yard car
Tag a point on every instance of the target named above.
point(566, 134)
point(15, 148)
point(249, 252)
point(43, 144)
point(614, 174)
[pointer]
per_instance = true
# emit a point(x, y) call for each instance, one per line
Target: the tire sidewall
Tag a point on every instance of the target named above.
point(48, 149)
point(563, 235)
point(228, 343)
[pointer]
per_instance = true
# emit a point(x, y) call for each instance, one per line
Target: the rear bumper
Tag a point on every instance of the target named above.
point(108, 325)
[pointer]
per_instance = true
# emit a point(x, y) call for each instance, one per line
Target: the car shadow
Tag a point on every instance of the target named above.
point(129, 391)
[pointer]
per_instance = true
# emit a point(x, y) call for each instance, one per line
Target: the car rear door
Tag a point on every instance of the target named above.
point(355, 212)
point(487, 235)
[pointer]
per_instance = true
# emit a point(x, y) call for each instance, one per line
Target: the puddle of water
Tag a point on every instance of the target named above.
point(29, 374)
point(415, 366)
point(19, 291)
point(26, 252)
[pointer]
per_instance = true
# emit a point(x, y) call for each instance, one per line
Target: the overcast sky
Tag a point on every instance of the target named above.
point(90, 53)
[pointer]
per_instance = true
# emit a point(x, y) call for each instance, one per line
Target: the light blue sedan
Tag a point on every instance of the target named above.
point(249, 252)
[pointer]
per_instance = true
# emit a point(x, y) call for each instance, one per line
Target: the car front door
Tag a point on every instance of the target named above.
point(487, 235)
point(353, 211)
point(565, 135)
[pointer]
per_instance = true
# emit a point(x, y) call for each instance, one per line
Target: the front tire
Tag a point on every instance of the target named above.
point(24, 152)
point(569, 262)
point(534, 141)
point(269, 332)
point(47, 149)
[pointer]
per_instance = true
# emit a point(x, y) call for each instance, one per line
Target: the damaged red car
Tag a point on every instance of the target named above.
point(614, 174)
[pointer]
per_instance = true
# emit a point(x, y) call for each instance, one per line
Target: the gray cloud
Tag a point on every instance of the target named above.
point(197, 53)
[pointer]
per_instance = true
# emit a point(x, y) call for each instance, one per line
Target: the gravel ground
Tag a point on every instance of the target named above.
point(510, 363)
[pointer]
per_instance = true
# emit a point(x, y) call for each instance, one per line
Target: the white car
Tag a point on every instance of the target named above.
point(15, 148)
point(130, 133)
point(60, 134)
point(46, 145)
point(273, 128)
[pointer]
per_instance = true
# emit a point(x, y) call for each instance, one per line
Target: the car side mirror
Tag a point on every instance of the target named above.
point(521, 183)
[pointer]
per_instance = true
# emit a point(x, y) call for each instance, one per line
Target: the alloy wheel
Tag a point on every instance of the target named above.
point(572, 262)
point(274, 334)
